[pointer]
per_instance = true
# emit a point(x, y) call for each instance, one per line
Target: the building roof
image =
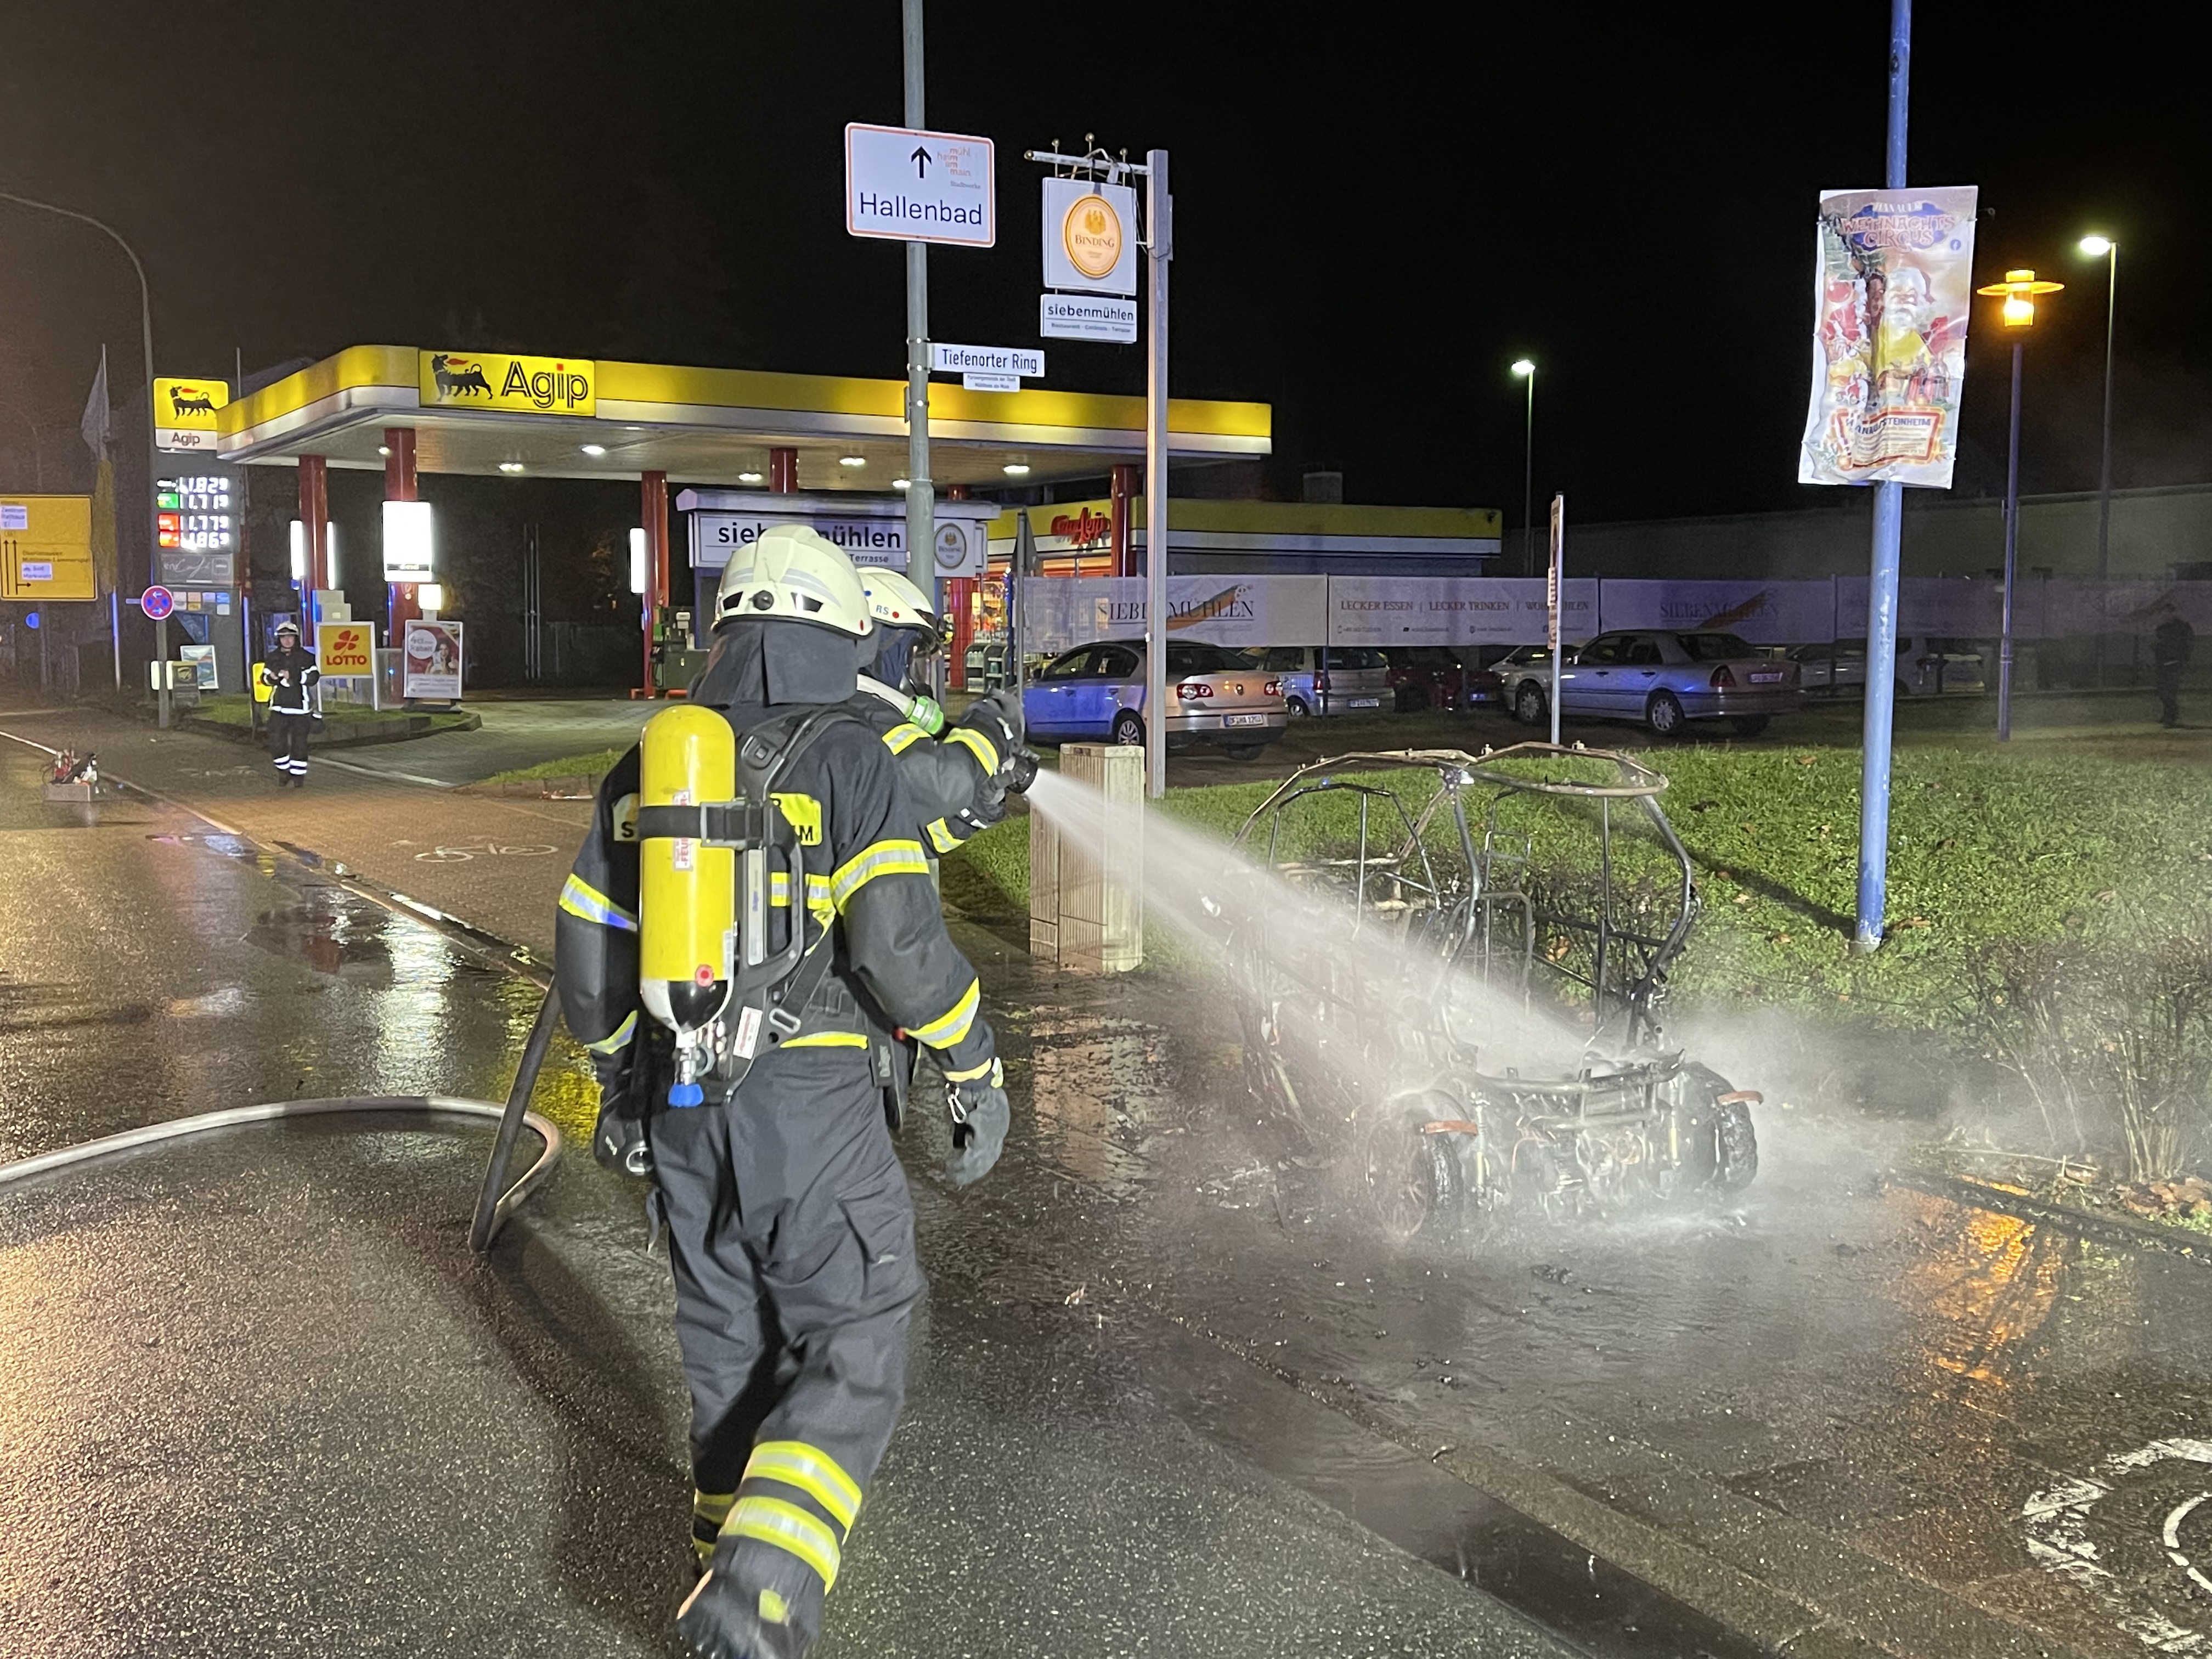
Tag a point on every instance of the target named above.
point(707, 426)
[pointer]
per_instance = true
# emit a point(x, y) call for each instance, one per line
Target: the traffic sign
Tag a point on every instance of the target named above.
point(157, 602)
point(915, 187)
point(986, 360)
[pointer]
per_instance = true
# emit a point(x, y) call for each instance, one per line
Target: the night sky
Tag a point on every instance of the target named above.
point(1377, 212)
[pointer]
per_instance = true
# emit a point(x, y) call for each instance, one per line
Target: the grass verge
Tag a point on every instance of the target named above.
point(596, 764)
point(1985, 849)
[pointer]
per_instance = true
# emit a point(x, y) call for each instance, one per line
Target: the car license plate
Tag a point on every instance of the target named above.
point(1363, 702)
point(1243, 719)
point(1771, 677)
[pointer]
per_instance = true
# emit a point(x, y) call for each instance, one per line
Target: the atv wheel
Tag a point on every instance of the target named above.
point(1737, 1144)
point(1414, 1180)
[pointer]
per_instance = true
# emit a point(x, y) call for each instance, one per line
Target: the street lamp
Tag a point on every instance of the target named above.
point(1525, 369)
point(2104, 248)
point(2018, 291)
point(146, 334)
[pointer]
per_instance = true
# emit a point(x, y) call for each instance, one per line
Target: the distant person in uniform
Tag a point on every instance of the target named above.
point(2171, 643)
point(289, 671)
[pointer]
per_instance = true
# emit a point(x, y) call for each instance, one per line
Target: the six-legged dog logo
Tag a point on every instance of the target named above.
point(458, 380)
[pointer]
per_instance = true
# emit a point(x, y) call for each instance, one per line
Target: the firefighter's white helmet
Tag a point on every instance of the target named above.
point(793, 573)
point(895, 602)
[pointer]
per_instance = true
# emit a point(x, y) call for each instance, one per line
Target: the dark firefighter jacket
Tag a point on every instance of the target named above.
point(868, 890)
point(953, 780)
point(301, 665)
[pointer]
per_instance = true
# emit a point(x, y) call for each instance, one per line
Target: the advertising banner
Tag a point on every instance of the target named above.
point(869, 533)
point(1089, 236)
point(1453, 611)
point(515, 386)
point(1765, 613)
point(1892, 281)
point(1232, 611)
point(432, 667)
point(345, 650)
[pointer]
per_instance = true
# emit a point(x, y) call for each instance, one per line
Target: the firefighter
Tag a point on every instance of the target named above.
point(288, 673)
point(960, 782)
point(791, 1232)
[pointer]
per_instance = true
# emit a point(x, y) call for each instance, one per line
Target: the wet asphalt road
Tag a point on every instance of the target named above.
point(260, 1399)
point(1175, 1395)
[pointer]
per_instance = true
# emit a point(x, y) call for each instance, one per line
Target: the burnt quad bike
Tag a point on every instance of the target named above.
point(1408, 927)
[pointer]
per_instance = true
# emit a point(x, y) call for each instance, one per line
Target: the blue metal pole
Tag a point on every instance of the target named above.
point(2012, 550)
point(1882, 578)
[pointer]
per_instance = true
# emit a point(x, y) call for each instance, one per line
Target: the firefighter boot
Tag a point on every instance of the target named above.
point(730, 1616)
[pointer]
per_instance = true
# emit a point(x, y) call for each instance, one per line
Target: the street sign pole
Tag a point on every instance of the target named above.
point(1558, 605)
point(1882, 579)
point(920, 491)
point(162, 670)
point(1160, 234)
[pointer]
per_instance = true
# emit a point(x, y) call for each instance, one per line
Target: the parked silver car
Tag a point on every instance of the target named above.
point(1928, 665)
point(1664, 679)
point(1096, 693)
point(1327, 679)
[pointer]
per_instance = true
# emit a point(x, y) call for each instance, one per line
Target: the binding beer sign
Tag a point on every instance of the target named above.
point(510, 384)
point(183, 414)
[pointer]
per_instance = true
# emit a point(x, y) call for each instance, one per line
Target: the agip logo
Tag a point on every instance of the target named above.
point(533, 385)
point(1091, 233)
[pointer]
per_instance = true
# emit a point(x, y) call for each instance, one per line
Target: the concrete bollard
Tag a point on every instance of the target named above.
point(1086, 912)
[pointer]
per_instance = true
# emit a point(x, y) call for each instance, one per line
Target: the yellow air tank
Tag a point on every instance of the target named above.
point(687, 890)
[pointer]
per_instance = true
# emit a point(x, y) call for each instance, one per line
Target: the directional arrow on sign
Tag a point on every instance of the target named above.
point(921, 160)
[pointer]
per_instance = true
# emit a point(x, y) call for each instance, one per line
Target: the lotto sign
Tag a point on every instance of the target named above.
point(345, 650)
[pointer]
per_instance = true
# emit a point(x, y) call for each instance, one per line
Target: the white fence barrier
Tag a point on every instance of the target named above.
point(1065, 611)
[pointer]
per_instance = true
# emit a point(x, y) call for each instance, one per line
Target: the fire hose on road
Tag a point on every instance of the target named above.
point(494, 1204)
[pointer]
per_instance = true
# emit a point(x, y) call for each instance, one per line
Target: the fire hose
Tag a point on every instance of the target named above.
point(496, 1202)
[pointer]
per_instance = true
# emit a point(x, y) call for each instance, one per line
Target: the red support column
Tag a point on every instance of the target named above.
point(783, 471)
point(652, 515)
point(400, 606)
point(315, 514)
point(1119, 492)
point(960, 601)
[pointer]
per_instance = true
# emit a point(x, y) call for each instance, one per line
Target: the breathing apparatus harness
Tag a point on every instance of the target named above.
point(708, 871)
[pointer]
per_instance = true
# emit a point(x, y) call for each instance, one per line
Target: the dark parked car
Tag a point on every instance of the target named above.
point(1436, 677)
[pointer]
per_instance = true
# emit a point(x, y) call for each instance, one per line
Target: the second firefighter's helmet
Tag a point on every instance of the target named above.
point(793, 573)
point(895, 601)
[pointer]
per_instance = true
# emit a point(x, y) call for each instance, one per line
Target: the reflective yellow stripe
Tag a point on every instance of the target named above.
point(713, 1506)
point(813, 1472)
point(828, 1039)
point(619, 1039)
point(786, 1526)
point(903, 737)
point(885, 858)
point(949, 1028)
point(977, 744)
point(580, 898)
point(941, 836)
point(989, 1067)
point(817, 893)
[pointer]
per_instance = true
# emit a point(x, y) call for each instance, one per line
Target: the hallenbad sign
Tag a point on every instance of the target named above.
point(511, 384)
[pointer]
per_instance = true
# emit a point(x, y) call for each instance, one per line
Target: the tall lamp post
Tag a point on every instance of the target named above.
point(146, 336)
point(2106, 248)
point(1525, 369)
point(2018, 291)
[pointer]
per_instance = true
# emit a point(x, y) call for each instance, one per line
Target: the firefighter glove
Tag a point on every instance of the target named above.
point(980, 1117)
point(618, 1139)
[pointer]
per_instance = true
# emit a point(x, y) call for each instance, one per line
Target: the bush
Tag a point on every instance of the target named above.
point(2113, 1043)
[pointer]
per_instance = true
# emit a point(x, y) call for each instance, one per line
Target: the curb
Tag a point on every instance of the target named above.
point(403, 729)
point(570, 786)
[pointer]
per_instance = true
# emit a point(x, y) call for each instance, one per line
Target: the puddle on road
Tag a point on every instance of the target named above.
point(331, 931)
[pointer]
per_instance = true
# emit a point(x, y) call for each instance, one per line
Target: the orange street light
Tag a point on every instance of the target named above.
point(2018, 290)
